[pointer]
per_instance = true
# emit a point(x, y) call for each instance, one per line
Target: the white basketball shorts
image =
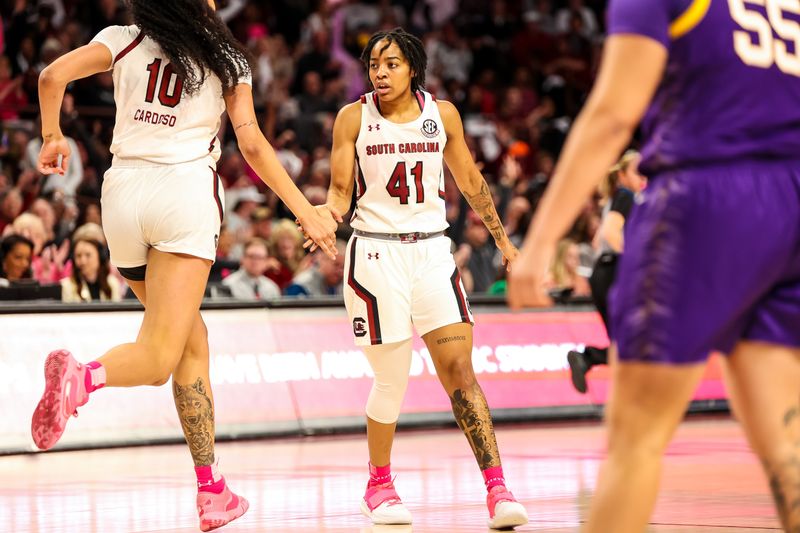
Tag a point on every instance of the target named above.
point(172, 208)
point(390, 286)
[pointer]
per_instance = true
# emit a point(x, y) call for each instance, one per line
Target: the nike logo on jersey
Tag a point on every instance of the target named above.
point(376, 126)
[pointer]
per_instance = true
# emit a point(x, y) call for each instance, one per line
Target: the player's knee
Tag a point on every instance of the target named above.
point(385, 400)
point(161, 379)
point(458, 373)
point(390, 364)
point(164, 362)
point(629, 438)
point(197, 345)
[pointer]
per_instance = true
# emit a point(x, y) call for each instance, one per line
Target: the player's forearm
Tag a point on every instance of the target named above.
point(482, 203)
point(339, 198)
point(596, 140)
point(51, 94)
point(262, 158)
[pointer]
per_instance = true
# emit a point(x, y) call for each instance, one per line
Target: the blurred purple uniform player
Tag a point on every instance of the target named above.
point(712, 251)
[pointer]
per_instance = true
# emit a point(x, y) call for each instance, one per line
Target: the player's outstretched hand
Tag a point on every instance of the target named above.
point(510, 252)
point(527, 278)
point(49, 156)
point(320, 229)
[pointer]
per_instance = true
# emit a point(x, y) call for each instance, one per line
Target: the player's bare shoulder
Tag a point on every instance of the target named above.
point(348, 122)
point(451, 119)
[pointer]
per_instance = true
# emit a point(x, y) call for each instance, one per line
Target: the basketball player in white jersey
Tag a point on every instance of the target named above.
point(175, 71)
point(399, 269)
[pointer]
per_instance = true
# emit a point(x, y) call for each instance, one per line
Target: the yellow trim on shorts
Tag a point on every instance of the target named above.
point(690, 18)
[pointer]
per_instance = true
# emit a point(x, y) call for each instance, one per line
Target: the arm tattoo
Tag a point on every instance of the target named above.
point(483, 204)
point(473, 417)
point(245, 124)
point(196, 412)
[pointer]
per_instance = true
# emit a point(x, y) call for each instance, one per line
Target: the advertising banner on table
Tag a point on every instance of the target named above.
point(277, 371)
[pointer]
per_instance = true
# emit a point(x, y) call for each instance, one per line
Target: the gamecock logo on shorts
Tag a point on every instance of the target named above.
point(430, 128)
point(359, 327)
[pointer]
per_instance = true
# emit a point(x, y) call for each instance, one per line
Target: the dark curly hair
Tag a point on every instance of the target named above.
point(8, 244)
point(411, 47)
point(194, 39)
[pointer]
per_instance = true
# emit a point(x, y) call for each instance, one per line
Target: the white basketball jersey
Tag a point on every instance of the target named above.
point(155, 120)
point(399, 175)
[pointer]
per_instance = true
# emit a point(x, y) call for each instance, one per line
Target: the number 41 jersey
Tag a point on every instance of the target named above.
point(155, 120)
point(399, 175)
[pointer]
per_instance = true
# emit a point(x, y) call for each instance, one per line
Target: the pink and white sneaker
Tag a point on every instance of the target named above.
point(504, 510)
point(216, 510)
point(383, 506)
point(64, 392)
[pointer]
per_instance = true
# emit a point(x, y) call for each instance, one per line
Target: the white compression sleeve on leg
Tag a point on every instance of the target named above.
point(390, 363)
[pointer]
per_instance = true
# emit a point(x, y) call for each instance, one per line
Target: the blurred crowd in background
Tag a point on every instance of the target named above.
point(518, 71)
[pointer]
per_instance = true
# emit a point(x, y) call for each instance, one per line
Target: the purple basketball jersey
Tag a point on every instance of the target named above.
point(731, 88)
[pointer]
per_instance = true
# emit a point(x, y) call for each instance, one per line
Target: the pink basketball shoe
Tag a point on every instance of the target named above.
point(504, 510)
point(64, 392)
point(216, 510)
point(382, 504)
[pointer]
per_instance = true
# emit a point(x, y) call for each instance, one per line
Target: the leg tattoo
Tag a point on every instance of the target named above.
point(473, 417)
point(197, 418)
point(784, 476)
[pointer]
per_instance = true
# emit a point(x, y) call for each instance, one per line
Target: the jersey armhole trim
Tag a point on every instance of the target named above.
point(127, 49)
point(420, 100)
point(689, 19)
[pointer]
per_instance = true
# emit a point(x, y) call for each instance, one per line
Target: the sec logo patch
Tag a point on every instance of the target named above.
point(430, 128)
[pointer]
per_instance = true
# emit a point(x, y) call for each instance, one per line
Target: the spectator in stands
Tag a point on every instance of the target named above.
point(324, 278)
point(10, 206)
point(30, 226)
point(247, 200)
point(91, 279)
point(12, 96)
point(482, 263)
point(16, 252)
point(564, 276)
point(261, 221)
point(72, 178)
point(576, 8)
point(249, 282)
point(286, 247)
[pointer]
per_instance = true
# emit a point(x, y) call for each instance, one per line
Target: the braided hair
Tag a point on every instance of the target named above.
point(411, 47)
point(194, 39)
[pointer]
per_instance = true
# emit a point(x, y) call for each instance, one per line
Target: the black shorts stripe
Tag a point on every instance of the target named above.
point(373, 317)
point(133, 273)
point(461, 300)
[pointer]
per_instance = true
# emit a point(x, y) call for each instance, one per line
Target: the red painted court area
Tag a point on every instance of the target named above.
point(712, 483)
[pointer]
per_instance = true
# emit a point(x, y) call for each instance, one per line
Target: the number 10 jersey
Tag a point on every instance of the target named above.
point(399, 170)
point(155, 120)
